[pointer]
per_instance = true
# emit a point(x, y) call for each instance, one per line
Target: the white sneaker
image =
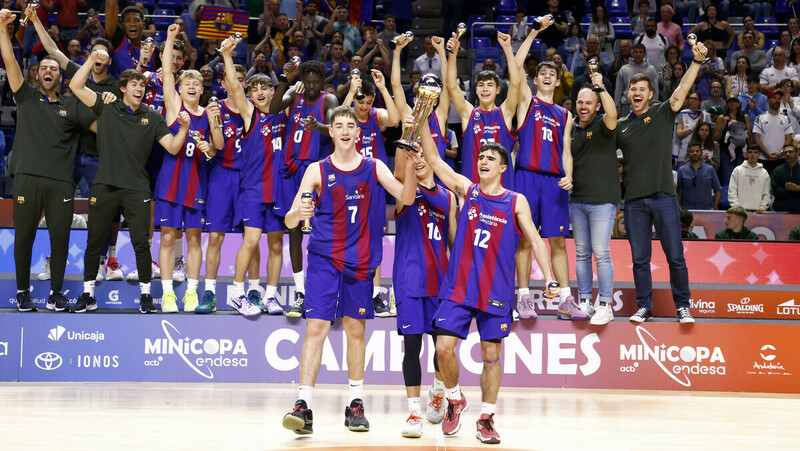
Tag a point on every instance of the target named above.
point(602, 315)
point(155, 273)
point(179, 272)
point(413, 427)
point(273, 307)
point(437, 407)
point(587, 306)
point(100, 271)
point(133, 276)
point(155, 270)
point(45, 274)
point(244, 306)
point(113, 271)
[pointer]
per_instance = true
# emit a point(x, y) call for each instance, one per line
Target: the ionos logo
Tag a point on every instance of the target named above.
point(201, 355)
point(703, 306)
point(768, 365)
point(744, 307)
point(48, 361)
point(57, 332)
point(788, 308)
point(684, 361)
point(3, 348)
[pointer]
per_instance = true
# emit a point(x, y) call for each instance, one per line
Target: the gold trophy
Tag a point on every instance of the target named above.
point(429, 89)
point(692, 40)
point(359, 95)
point(593, 66)
point(553, 290)
point(24, 19)
point(198, 138)
point(462, 28)
point(217, 120)
point(537, 25)
point(393, 42)
point(150, 44)
point(237, 38)
point(306, 198)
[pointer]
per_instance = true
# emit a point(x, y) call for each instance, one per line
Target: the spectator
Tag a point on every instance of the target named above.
point(750, 25)
point(531, 61)
point(696, 181)
point(261, 65)
point(670, 29)
point(793, 60)
point(620, 60)
point(710, 147)
point(315, 23)
point(520, 29)
point(794, 235)
point(790, 106)
point(793, 26)
point(686, 225)
point(687, 9)
point(734, 226)
point(786, 182)
point(75, 52)
point(672, 55)
point(685, 123)
point(336, 37)
point(636, 65)
point(758, 58)
point(388, 33)
point(678, 71)
point(279, 29)
point(772, 76)
point(755, 103)
point(715, 97)
point(554, 35)
point(429, 62)
point(771, 131)
point(637, 23)
point(749, 186)
point(718, 31)
point(736, 82)
point(592, 50)
point(339, 22)
point(601, 27)
point(92, 29)
point(785, 43)
point(149, 27)
point(713, 69)
point(575, 44)
point(733, 132)
point(267, 20)
point(67, 17)
point(338, 69)
point(565, 78)
point(411, 89)
point(618, 231)
point(581, 81)
point(655, 43)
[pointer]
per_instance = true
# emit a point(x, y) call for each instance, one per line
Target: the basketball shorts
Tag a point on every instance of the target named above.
point(457, 317)
point(415, 314)
point(330, 294)
point(168, 214)
point(223, 195)
point(549, 203)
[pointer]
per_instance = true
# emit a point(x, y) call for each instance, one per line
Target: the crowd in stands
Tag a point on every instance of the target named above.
point(734, 143)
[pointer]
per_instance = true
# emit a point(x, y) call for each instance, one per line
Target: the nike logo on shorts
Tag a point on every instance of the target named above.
point(163, 219)
point(406, 326)
point(441, 319)
point(67, 200)
point(309, 309)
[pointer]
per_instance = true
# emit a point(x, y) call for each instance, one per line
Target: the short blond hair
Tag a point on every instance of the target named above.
point(190, 74)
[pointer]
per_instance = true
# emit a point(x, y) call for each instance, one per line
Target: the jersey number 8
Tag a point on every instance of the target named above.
point(190, 149)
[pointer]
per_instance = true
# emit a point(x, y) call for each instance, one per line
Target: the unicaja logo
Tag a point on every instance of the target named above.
point(48, 361)
point(56, 333)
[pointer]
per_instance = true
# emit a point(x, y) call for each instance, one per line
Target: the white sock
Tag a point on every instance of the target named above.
point(166, 285)
point(150, 243)
point(306, 393)
point(356, 389)
point(564, 293)
point(88, 287)
point(376, 291)
point(144, 287)
point(453, 393)
point(253, 284)
point(177, 251)
point(51, 292)
point(192, 284)
point(299, 282)
point(20, 291)
point(272, 290)
point(112, 251)
point(487, 408)
point(211, 285)
point(238, 289)
point(438, 386)
point(523, 292)
point(413, 405)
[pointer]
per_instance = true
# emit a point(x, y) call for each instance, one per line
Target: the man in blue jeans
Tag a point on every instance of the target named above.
point(595, 194)
point(645, 137)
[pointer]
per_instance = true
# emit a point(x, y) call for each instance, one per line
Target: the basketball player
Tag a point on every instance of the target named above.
point(487, 123)
point(543, 174)
point(126, 39)
point(370, 143)
point(182, 182)
point(223, 195)
point(479, 282)
point(258, 184)
point(306, 142)
point(419, 265)
point(343, 251)
point(126, 131)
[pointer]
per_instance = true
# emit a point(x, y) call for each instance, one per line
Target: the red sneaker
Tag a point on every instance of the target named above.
point(486, 431)
point(452, 420)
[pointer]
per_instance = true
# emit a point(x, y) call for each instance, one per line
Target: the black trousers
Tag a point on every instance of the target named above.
point(32, 195)
point(104, 203)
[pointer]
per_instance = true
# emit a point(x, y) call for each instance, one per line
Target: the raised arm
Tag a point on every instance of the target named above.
point(172, 101)
point(235, 91)
point(112, 18)
point(48, 43)
point(509, 106)
point(454, 181)
point(355, 83)
point(390, 116)
point(456, 94)
point(444, 97)
point(610, 108)
point(174, 144)
point(522, 211)
point(78, 83)
point(406, 191)
point(397, 85)
point(284, 97)
point(13, 72)
point(679, 96)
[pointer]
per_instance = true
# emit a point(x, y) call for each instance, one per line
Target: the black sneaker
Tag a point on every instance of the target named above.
point(146, 304)
point(684, 316)
point(57, 302)
point(354, 417)
point(380, 308)
point(25, 303)
point(641, 315)
point(85, 302)
point(300, 419)
point(296, 310)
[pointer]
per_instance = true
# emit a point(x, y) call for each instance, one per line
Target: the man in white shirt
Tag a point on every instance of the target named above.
point(772, 131)
point(771, 76)
point(655, 43)
point(750, 186)
point(428, 62)
point(685, 122)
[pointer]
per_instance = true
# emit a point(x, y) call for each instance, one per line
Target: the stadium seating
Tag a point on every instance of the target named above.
point(505, 7)
point(478, 31)
point(149, 4)
point(622, 27)
point(165, 21)
point(616, 7)
point(585, 21)
point(768, 26)
point(171, 4)
point(160, 36)
point(770, 43)
point(505, 19)
point(782, 6)
point(477, 43)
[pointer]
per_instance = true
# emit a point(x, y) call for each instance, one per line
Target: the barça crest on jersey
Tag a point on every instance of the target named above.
point(145, 121)
point(475, 192)
point(504, 327)
point(20, 200)
point(227, 117)
point(647, 120)
point(92, 201)
point(588, 135)
point(477, 115)
point(362, 311)
point(473, 213)
point(62, 113)
point(331, 178)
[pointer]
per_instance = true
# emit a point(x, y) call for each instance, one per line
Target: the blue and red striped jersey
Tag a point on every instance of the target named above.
point(439, 137)
point(541, 138)
point(259, 157)
point(301, 145)
point(183, 177)
point(370, 142)
point(154, 93)
point(232, 129)
point(484, 127)
point(420, 259)
point(483, 258)
point(124, 57)
point(347, 223)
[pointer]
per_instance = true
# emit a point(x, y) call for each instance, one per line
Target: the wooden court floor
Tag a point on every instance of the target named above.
point(158, 416)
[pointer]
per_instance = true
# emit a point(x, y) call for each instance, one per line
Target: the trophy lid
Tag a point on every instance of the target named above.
point(430, 82)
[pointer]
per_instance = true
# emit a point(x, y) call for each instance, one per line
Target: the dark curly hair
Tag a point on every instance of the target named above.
point(312, 67)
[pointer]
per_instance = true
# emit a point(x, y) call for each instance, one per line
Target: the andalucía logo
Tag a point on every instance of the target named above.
point(677, 362)
point(201, 355)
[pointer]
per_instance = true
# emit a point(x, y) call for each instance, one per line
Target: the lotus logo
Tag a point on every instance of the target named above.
point(767, 356)
point(48, 361)
point(56, 333)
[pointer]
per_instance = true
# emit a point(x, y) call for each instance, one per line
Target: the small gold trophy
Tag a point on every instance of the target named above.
point(217, 120)
point(306, 198)
point(359, 95)
point(462, 28)
point(393, 42)
point(593, 66)
point(692, 40)
point(198, 138)
point(237, 38)
point(23, 21)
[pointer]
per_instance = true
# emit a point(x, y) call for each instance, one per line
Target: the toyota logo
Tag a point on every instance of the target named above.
point(48, 361)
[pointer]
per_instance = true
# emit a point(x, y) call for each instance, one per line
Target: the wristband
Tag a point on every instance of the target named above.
point(282, 78)
point(598, 89)
point(698, 62)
